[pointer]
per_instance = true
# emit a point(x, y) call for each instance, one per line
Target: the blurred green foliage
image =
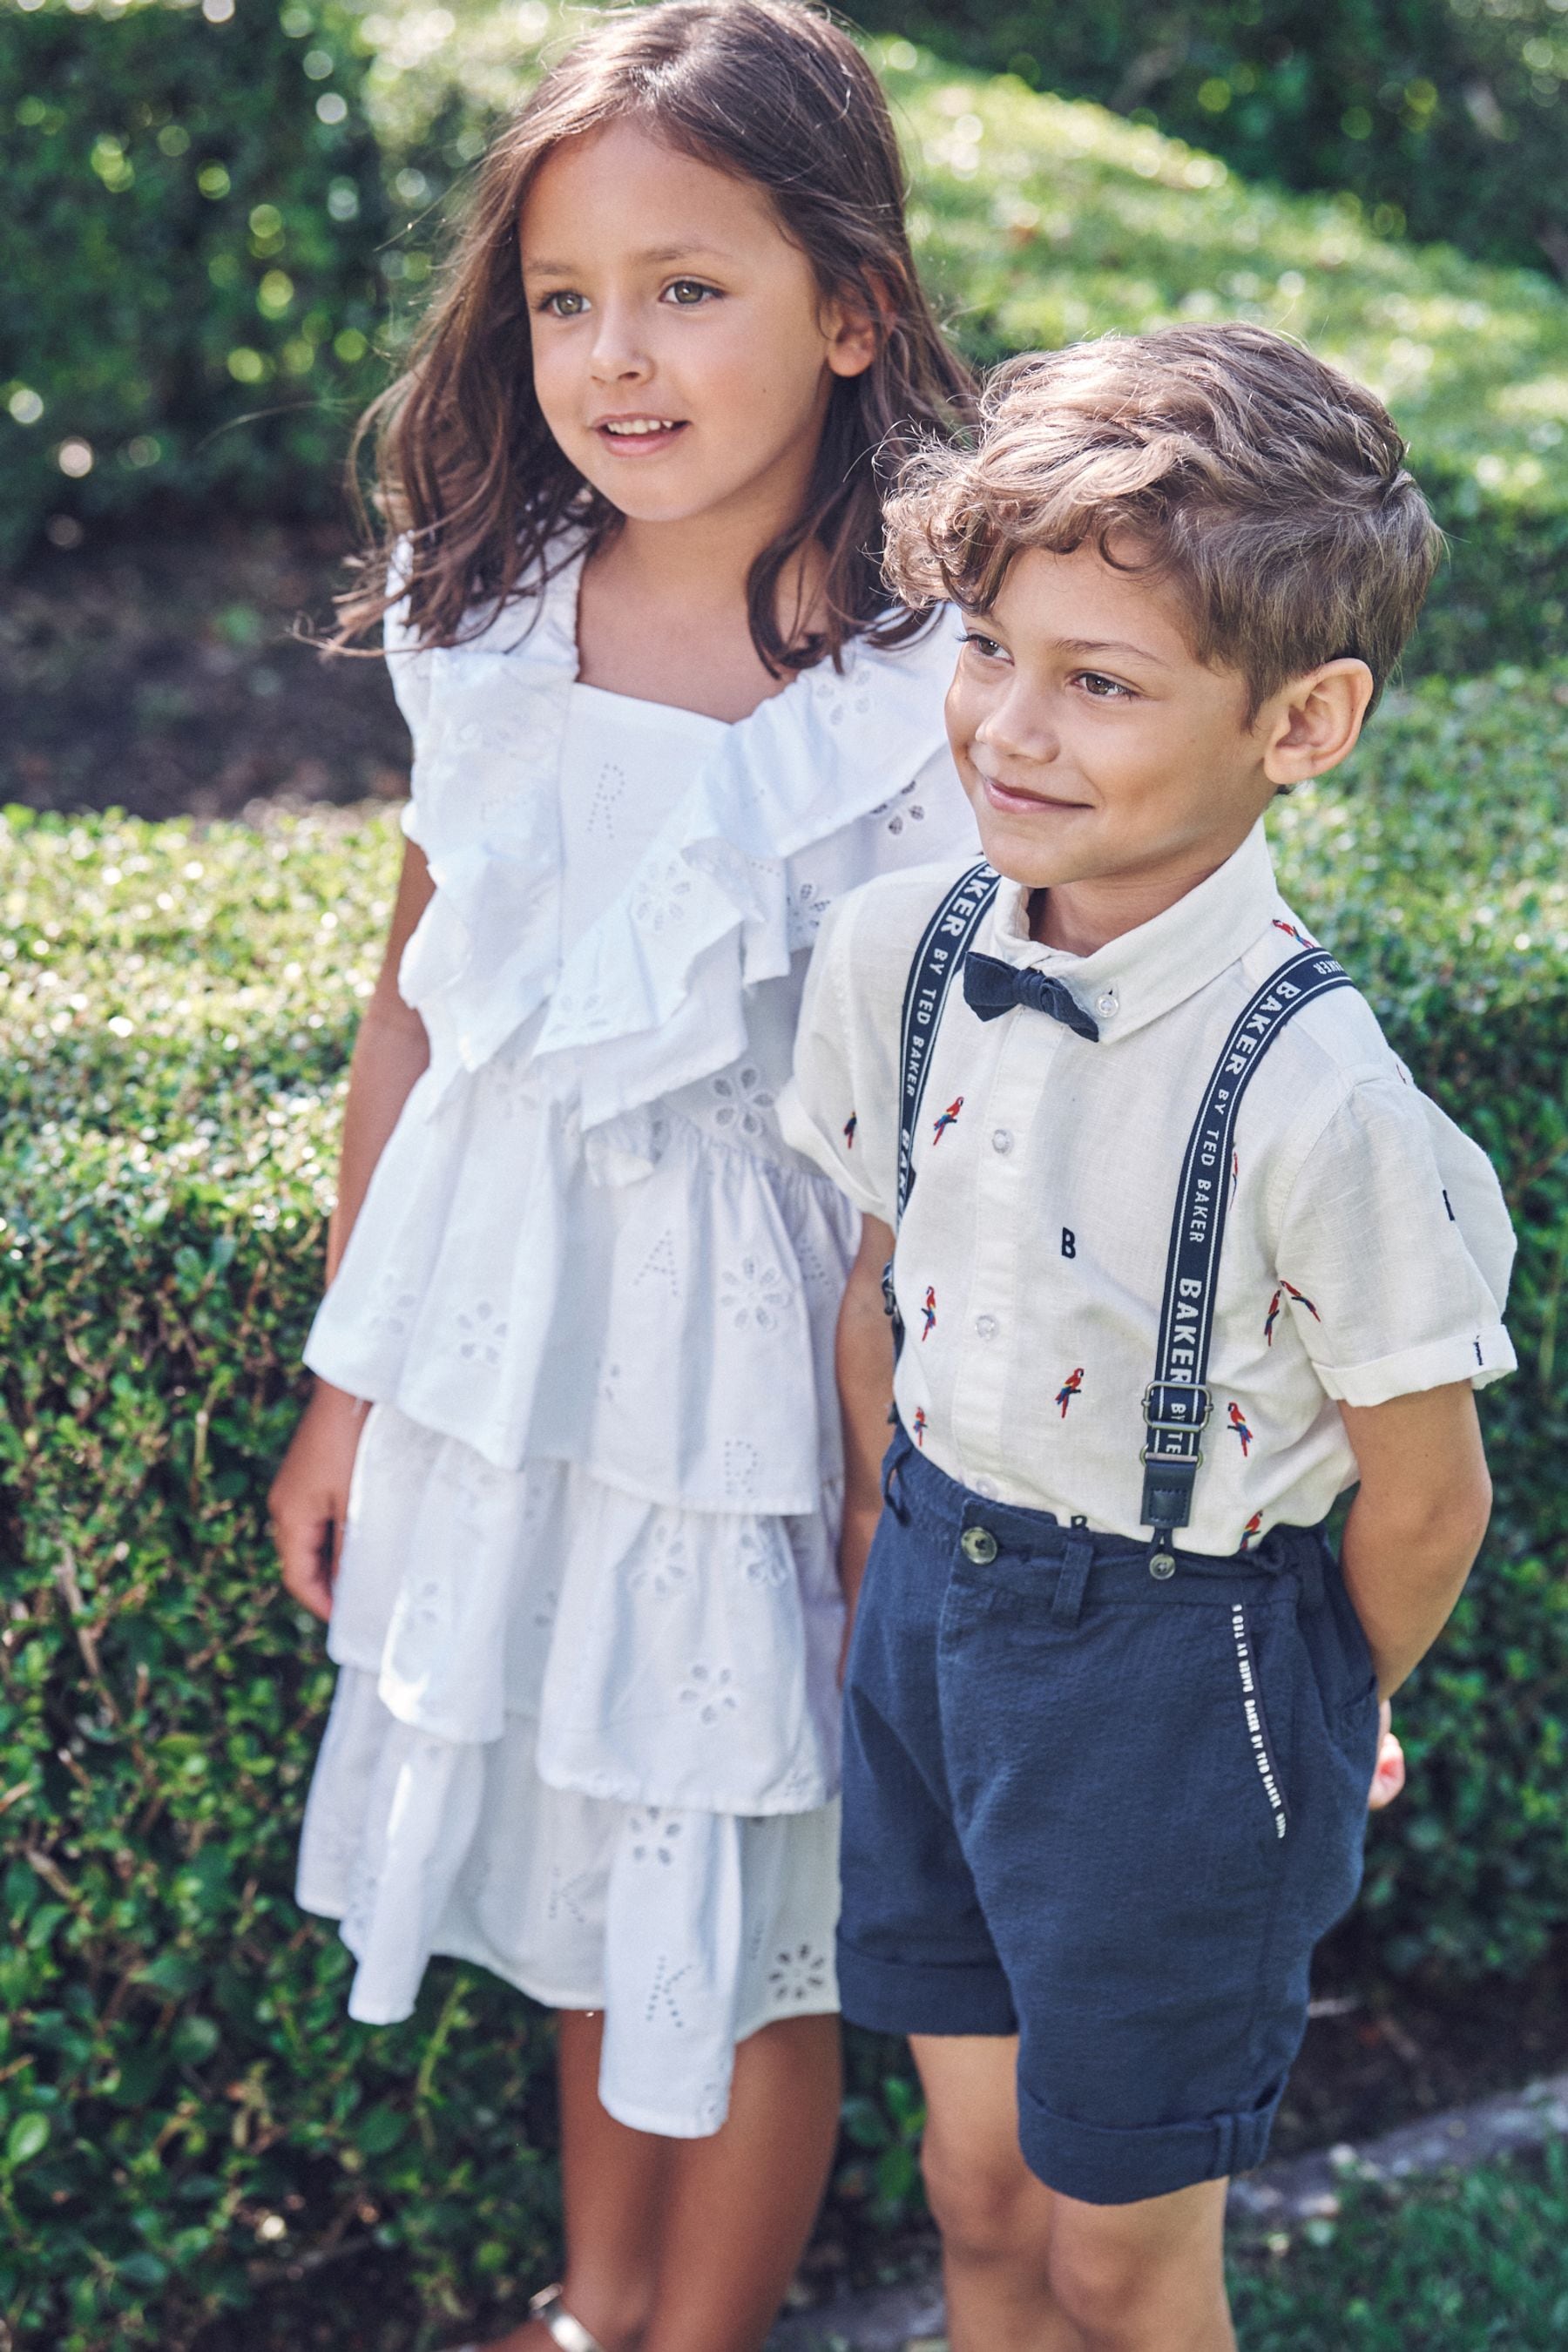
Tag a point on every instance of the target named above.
point(184, 2109)
point(195, 204)
point(1457, 2263)
point(1039, 220)
point(1449, 116)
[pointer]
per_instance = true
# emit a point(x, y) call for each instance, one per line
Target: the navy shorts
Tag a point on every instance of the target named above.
point(1109, 1815)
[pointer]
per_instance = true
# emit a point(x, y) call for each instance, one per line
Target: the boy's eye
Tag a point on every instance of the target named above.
point(1100, 688)
point(687, 293)
point(564, 304)
point(986, 647)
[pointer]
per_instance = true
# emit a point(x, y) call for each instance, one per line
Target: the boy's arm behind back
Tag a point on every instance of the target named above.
point(1416, 1522)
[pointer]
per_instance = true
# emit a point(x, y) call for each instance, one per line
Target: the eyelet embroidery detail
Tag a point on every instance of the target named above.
point(754, 1292)
point(667, 1566)
point(661, 901)
point(661, 1992)
point(740, 1098)
point(660, 1266)
point(394, 1307)
point(763, 1561)
point(607, 792)
point(798, 1975)
point(740, 1460)
point(903, 808)
point(655, 1833)
point(807, 906)
point(483, 1332)
point(706, 1691)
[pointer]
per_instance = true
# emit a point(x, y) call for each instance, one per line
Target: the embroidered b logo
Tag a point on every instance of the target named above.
point(1070, 1242)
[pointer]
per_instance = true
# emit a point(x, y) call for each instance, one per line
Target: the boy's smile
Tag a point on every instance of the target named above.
point(1108, 767)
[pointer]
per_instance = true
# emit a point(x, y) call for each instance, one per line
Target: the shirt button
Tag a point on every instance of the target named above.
point(986, 1324)
point(1002, 1140)
point(1106, 1003)
point(987, 1488)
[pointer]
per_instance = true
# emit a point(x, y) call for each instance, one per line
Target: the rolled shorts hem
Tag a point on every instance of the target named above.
point(1123, 2165)
point(914, 1997)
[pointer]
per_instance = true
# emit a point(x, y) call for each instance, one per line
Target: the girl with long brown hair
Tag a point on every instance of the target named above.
point(569, 1487)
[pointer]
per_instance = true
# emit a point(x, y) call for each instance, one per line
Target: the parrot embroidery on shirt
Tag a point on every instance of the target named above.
point(850, 1124)
point(1069, 1389)
point(1238, 1423)
point(929, 1312)
point(919, 1424)
point(1286, 1290)
point(1251, 1531)
point(1300, 937)
point(949, 1118)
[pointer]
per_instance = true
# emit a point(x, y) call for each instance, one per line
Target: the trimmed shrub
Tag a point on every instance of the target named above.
point(1448, 116)
point(184, 2111)
point(194, 209)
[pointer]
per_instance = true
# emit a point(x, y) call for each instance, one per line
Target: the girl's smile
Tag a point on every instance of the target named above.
point(638, 436)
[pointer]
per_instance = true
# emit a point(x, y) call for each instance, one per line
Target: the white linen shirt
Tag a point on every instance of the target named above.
point(1365, 1256)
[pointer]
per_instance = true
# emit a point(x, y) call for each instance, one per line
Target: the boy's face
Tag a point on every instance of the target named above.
point(1093, 744)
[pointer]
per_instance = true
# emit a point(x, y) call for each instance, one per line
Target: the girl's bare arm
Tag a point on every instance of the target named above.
point(390, 1056)
point(309, 1495)
point(865, 1365)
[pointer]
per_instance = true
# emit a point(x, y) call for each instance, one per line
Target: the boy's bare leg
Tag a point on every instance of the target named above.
point(689, 2245)
point(1028, 2269)
point(994, 2217)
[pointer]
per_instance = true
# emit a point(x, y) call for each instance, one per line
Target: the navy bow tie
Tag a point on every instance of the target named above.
point(992, 988)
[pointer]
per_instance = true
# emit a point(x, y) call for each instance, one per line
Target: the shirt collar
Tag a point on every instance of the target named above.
point(1134, 979)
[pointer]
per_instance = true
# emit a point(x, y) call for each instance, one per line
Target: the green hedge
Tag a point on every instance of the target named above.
point(1449, 115)
point(192, 289)
point(184, 2109)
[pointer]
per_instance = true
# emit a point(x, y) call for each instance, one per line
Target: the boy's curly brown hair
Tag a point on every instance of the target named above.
point(1270, 489)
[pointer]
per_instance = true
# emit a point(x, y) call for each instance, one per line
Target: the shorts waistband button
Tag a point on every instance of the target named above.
point(979, 1544)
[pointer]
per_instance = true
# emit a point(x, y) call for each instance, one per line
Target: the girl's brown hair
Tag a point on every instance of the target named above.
point(469, 477)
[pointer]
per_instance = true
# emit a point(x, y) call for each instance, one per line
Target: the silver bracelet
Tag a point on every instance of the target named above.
point(569, 2333)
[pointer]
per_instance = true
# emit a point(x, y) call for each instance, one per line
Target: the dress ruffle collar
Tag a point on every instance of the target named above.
point(649, 998)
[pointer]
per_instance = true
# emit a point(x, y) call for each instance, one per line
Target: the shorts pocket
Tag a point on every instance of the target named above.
point(1253, 1717)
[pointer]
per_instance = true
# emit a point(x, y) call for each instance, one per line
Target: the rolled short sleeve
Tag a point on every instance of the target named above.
point(1394, 1251)
point(839, 1109)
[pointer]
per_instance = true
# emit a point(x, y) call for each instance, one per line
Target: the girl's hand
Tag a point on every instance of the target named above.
point(1388, 1773)
point(309, 1501)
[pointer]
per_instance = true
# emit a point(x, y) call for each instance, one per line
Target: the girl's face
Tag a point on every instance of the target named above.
point(683, 352)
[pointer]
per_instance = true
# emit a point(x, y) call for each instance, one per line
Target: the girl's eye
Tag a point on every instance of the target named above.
point(986, 647)
point(1100, 688)
point(564, 304)
point(690, 293)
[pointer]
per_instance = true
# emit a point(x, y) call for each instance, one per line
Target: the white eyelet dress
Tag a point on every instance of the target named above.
point(587, 1622)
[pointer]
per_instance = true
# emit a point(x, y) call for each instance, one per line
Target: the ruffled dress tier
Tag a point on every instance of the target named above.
point(587, 1618)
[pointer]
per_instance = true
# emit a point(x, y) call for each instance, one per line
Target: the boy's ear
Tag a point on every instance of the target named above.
point(1314, 722)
